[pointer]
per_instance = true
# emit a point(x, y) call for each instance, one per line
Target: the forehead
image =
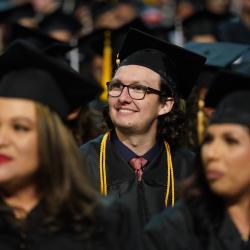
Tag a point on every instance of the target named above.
point(15, 107)
point(231, 128)
point(136, 73)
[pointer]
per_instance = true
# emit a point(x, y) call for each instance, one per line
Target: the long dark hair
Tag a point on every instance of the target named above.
point(66, 192)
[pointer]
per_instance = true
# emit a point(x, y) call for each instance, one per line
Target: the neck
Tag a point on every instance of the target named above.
point(21, 201)
point(139, 144)
point(240, 214)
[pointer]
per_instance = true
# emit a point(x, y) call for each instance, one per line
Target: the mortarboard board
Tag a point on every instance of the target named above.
point(219, 54)
point(60, 21)
point(94, 42)
point(12, 13)
point(234, 108)
point(200, 23)
point(223, 84)
point(178, 66)
point(99, 7)
point(28, 73)
point(35, 37)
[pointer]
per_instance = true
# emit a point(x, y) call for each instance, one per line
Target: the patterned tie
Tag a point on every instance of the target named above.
point(138, 164)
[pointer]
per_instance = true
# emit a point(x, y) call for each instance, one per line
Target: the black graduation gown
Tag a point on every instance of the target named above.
point(174, 229)
point(115, 230)
point(145, 198)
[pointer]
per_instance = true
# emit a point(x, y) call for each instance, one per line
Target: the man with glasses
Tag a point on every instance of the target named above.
point(138, 160)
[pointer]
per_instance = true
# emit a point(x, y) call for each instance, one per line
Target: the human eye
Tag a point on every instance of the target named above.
point(138, 88)
point(18, 127)
point(208, 138)
point(115, 85)
point(231, 140)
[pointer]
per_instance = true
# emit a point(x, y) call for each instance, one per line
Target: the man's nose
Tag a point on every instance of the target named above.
point(125, 95)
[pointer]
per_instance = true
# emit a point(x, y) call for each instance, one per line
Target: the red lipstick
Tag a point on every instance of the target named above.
point(4, 158)
point(214, 175)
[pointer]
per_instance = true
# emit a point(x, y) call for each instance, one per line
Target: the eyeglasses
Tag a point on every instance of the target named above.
point(135, 91)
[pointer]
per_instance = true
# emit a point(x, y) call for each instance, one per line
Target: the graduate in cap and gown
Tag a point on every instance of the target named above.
point(46, 202)
point(213, 212)
point(139, 160)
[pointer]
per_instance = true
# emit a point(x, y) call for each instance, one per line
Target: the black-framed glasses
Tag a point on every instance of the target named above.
point(136, 91)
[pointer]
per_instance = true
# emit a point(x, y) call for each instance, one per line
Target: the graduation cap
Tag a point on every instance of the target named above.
point(177, 65)
point(224, 83)
point(60, 21)
point(99, 7)
point(94, 42)
point(219, 54)
point(28, 73)
point(12, 13)
point(200, 23)
point(36, 38)
point(234, 108)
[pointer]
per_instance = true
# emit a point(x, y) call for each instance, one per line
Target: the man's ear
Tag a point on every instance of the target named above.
point(166, 106)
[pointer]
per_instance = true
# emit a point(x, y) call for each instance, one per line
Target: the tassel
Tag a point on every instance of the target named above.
point(107, 65)
point(200, 121)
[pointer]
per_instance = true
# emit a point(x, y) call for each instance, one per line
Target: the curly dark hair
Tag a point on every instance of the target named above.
point(170, 125)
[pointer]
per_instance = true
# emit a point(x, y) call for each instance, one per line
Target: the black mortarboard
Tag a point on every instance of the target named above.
point(234, 108)
point(60, 21)
point(219, 54)
point(99, 7)
point(12, 13)
point(178, 66)
point(28, 73)
point(94, 42)
point(223, 84)
point(36, 38)
point(200, 23)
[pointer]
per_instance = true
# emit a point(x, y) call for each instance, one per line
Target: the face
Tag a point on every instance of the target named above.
point(137, 116)
point(226, 159)
point(245, 5)
point(18, 142)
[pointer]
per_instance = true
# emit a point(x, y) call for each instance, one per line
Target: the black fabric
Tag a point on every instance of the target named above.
point(58, 20)
point(145, 198)
point(21, 57)
point(12, 13)
point(175, 228)
point(224, 83)
point(234, 108)
point(37, 39)
point(114, 230)
point(234, 31)
point(20, 83)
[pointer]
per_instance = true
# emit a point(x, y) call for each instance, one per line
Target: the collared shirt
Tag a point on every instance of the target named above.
point(127, 153)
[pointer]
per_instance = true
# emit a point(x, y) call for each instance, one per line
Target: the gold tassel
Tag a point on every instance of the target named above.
point(107, 65)
point(200, 121)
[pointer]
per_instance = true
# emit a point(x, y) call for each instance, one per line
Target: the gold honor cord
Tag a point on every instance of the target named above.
point(170, 177)
point(103, 177)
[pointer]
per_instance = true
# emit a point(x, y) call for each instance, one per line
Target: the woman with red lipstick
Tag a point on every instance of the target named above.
point(215, 210)
point(45, 200)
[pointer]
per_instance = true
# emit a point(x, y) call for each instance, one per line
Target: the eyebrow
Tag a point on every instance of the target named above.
point(24, 119)
point(133, 82)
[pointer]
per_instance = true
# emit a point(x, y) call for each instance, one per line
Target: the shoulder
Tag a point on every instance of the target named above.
point(183, 160)
point(172, 229)
point(177, 217)
point(118, 223)
point(184, 153)
point(93, 144)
